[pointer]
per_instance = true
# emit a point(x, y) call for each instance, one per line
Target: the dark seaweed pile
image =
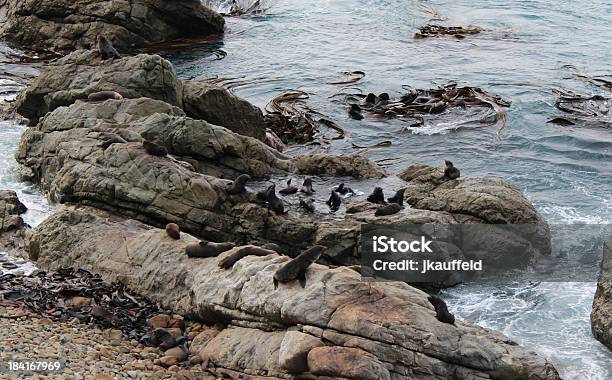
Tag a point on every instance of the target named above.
point(70, 293)
point(459, 32)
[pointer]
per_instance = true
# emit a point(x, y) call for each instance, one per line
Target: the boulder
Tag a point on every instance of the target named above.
point(10, 210)
point(601, 316)
point(389, 329)
point(64, 25)
point(294, 349)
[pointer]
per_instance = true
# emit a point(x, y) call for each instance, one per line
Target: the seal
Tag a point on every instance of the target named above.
point(377, 196)
point(289, 189)
point(334, 201)
point(450, 171)
point(442, 313)
point(154, 149)
point(104, 95)
point(308, 205)
point(383, 100)
point(272, 247)
point(369, 101)
point(307, 186)
point(113, 139)
point(354, 111)
point(398, 197)
point(341, 189)
point(390, 209)
point(262, 195)
point(173, 230)
point(249, 250)
point(275, 203)
point(106, 49)
point(207, 249)
point(296, 268)
point(239, 185)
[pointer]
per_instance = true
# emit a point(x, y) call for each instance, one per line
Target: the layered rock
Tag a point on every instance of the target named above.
point(341, 326)
point(63, 25)
point(601, 316)
point(13, 230)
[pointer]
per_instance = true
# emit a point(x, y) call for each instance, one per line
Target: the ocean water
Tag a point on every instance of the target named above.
point(521, 54)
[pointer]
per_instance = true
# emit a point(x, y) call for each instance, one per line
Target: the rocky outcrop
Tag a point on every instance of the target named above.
point(63, 25)
point(601, 316)
point(343, 327)
point(10, 210)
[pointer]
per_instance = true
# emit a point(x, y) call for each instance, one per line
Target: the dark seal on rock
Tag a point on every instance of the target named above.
point(450, 171)
point(262, 195)
point(173, 230)
point(104, 95)
point(307, 186)
point(341, 189)
point(377, 196)
point(106, 49)
point(207, 249)
point(442, 313)
point(390, 209)
point(154, 149)
point(334, 201)
point(289, 189)
point(272, 247)
point(296, 268)
point(239, 185)
point(308, 205)
point(398, 197)
point(275, 203)
point(113, 139)
point(249, 250)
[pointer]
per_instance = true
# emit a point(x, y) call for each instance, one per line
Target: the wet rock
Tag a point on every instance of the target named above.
point(346, 362)
point(61, 25)
point(601, 316)
point(294, 351)
point(10, 209)
point(168, 361)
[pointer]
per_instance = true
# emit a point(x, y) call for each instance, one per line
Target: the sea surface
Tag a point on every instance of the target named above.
point(526, 49)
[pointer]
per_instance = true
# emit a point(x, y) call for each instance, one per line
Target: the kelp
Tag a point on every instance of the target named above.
point(598, 81)
point(350, 77)
point(238, 7)
point(459, 32)
point(76, 293)
point(296, 123)
point(590, 109)
point(433, 13)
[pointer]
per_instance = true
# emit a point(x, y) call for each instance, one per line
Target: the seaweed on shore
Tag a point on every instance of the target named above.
point(459, 32)
point(76, 293)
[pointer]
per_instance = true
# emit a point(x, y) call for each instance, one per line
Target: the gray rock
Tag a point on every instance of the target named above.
point(10, 210)
point(380, 326)
point(601, 316)
point(75, 24)
point(294, 349)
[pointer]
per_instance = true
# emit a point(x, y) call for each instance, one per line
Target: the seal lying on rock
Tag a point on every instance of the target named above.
point(377, 196)
point(450, 171)
point(106, 49)
point(334, 201)
point(296, 268)
point(154, 149)
point(104, 95)
point(262, 195)
point(307, 186)
point(308, 205)
point(239, 185)
point(112, 139)
point(442, 313)
point(390, 209)
point(398, 197)
point(289, 189)
point(341, 189)
point(173, 230)
point(207, 249)
point(249, 250)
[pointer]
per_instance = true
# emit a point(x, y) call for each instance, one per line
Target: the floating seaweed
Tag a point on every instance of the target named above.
point(76, 293)
point(459, 32)
point(433, 13)
point(589, 109)
point(350, 77)
point(598, 81)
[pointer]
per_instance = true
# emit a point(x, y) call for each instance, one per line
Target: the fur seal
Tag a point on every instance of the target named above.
point(307, 186)
point(154, 149)
point(173, 230)
point(273, 247)
point(398, 197)
point(238, 186)
point(106, 49)
point(275, 203)
point(370, 100)
point(113, 139)
point(262, 195)
point(289, 189)
point(249, 250)
point(308, 205)
point(334, 201)
point(383, 100)
point(390, 209)
point(207, 249)
point(341, 189)
point(377, 196)
point(450, 171)
point(354, 111)
point(442, 313)
point(296, 268)
point(104, 95)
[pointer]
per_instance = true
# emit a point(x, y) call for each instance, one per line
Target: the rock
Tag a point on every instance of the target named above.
point(159, 321)
point(10, 209)
point(601, 316)
point(218, 106)
point(69, 25)
point(346, 362)
point(178, 353)
point(168, 361)
point(202, 339)
point(294, 350)
point(380, 325)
